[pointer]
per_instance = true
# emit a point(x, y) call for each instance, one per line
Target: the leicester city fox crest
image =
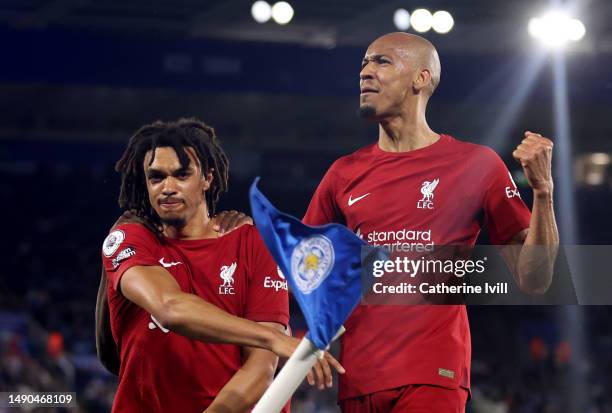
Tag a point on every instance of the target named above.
point(311, 262)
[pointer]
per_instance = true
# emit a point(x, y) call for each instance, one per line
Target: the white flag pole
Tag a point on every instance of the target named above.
point(290, 376)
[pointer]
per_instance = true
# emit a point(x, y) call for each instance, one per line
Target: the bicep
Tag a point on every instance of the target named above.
point(148, 287)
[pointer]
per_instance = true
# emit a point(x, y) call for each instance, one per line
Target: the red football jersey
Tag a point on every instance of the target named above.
point(438, 195)
point(162, 371)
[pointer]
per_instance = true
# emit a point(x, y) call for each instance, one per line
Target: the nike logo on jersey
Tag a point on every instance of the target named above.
point(156, 324)
point(168, 264)
point(351, 201)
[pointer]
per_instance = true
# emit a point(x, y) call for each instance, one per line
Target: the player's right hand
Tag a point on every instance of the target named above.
point(321, 374)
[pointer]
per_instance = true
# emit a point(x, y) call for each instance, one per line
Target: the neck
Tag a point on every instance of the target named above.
point(406, 131)
point(198, 226)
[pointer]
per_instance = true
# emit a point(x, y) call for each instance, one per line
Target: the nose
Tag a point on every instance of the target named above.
point(169, 187)
point(367, 72)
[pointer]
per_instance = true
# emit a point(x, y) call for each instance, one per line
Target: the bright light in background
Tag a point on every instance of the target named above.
point(576, 30)
point(599, 158)
point(592, 168)
point(401, 19)
point(282, 12)
point(442, 22)
point(555, 29)
point(261, 11)
point(421, 20)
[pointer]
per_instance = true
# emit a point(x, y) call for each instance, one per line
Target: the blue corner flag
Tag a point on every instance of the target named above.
point(322, 265)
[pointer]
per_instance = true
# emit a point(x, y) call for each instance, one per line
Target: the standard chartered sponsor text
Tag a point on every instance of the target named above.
point(403, 240)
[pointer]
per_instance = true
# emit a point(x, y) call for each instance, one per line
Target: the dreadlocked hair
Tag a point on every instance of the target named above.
point(178, 135)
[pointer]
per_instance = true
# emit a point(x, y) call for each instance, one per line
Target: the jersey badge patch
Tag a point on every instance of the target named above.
point(227, 276)
point(112, 242)
point(427, 189)
point(311, 262)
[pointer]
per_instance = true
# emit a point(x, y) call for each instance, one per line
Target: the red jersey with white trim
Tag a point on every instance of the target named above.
point(162, 371)
point(441, 194)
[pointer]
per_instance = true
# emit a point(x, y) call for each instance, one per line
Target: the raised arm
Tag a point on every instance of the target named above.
point(531, 253)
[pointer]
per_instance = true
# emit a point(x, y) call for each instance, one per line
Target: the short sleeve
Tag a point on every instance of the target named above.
point(323, 208)
point(268, 292)
point(505, 213)
point(126, 246)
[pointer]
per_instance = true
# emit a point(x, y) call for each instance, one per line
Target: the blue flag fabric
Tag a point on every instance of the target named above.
point(321, 264)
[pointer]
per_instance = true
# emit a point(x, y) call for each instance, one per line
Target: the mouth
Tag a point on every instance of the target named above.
point(170, 204)
point(368, 90)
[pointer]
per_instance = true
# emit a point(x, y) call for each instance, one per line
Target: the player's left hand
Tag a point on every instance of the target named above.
point(226, 221)
point(321, 374)
point(535, 156)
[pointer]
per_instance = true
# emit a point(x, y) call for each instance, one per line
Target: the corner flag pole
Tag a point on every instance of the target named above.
point(290, 376)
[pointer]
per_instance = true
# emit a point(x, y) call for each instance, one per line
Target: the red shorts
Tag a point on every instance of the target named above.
point(409, 399)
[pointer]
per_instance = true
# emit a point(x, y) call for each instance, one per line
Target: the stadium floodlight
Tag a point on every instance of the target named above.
point(421, 20)
point(442, 22)
point(555, 29)
point(261, 11)
point(282, 12)
point(401, 19)
point(576, 30)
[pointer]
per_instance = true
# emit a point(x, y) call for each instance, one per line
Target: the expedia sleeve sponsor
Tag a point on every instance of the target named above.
point(276, 281)
point(505, 212)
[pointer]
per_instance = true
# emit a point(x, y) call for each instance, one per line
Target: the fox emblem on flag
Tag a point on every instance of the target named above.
point(311, 262)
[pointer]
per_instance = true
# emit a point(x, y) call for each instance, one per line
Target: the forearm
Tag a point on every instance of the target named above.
point(537, 256)
point(250, 382)
point(191, 316)
point(245, 388)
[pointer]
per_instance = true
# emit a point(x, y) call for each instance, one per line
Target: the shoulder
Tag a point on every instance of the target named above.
point(134, 228)
point(251, 233)
point(346, 163)
point(473, 152)
point(127, 233)
point(238, 235)
point(245, 240)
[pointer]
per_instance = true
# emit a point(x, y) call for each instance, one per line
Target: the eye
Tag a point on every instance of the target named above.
point(183, 174)
point(155, 179)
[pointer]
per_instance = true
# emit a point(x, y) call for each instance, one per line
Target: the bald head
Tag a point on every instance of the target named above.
point(414, 50)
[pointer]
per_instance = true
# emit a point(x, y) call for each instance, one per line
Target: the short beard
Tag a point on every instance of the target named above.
point(176, 222)
point(366, 112)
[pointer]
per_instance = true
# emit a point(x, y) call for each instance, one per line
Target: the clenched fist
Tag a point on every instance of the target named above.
point(535, 156)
